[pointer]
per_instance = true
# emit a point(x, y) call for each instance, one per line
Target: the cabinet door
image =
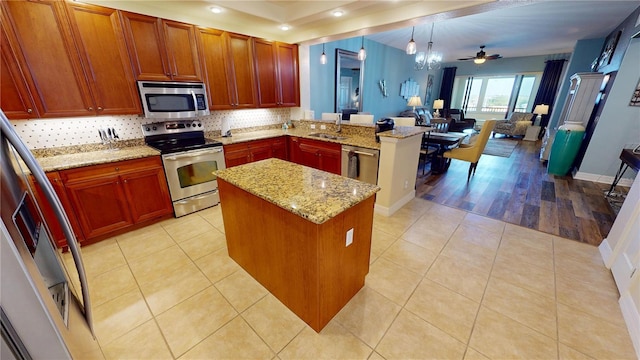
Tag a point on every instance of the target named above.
point(100, 204)
point(60, 87)
point(236, 154)
point(180, 40)
point(266, 73)
point(242, 73)
point(145, 40)
point(147, 194)
point(279, 148)
point(260, 150)
point(329, 159)
point(15, 99)
point(99, 36)
point(215, 70)
point(293, 149)
point(288, 84)
point(308, 155)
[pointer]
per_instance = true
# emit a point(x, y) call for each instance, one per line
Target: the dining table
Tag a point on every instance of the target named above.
point(442, 142)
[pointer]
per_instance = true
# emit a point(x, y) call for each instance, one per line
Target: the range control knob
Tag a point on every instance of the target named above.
point(195, 124)
point(154, 128)
point(147, 129)
point(188, 125)
point(199, 125)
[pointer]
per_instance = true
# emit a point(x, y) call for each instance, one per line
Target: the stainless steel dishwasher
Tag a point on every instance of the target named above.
point(360, 163)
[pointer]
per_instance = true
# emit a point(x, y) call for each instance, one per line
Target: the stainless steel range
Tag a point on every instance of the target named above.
point(190, 162)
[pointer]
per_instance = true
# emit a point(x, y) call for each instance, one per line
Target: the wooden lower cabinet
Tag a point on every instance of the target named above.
point(256, 150)
point(317, 154)
point(111, 197)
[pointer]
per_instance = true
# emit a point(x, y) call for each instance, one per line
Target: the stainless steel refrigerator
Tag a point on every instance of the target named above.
point(44, 301)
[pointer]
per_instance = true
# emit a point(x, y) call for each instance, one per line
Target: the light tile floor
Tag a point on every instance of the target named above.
point(443, 283)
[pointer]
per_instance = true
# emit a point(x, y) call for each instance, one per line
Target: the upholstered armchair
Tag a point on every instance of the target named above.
point(458, 121)
point(516, 125)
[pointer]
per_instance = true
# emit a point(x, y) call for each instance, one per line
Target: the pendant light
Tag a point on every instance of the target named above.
point(362, 54)
point(411, 46)
point(431, 59)
point(323, 57)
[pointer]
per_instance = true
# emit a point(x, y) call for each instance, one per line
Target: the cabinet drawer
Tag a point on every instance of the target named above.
point(120, 167)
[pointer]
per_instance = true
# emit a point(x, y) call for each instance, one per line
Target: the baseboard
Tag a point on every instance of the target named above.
point(388, 211)
point(627, 182)
point(632, 319)
point(605, 252)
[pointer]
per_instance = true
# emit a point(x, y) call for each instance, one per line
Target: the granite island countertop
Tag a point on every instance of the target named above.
point(312, 194)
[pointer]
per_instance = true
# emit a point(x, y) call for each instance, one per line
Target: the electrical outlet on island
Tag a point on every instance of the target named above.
point(323, 127)
point(313, 126)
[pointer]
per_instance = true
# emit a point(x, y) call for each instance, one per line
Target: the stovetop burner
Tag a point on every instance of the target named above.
point(177, 136)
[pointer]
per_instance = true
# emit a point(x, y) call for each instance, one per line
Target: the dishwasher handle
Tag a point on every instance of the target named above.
point(360, 152)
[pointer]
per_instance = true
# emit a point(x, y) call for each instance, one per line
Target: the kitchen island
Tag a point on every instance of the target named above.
point(304, 234)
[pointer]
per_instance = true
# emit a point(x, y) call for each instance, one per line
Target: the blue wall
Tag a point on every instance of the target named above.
point(382, 63)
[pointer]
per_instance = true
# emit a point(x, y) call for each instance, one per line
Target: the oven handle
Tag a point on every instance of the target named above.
point(201, 197)
point(193, 154)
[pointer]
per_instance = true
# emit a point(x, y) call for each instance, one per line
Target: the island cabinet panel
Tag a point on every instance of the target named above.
point(277, 72)
point(40, 35)
point(15, 99)
point(98, 33)
point(160, 49)
point(115, 196)
point(317, 154)
point(48, 213)
point(227, 67)
point(307, 266)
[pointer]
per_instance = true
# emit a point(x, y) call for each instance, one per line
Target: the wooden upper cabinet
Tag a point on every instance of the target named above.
point(161, 50)
point(105, 59)
point(45, 51)
point(277, 72)
point(227, 66)
point(15, 99)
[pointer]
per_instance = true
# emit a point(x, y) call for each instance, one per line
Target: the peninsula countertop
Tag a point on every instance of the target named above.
point(312, 194)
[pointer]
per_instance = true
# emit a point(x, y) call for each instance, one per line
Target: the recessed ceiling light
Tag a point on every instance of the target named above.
point(215, 9)
point(338, 13)
point(284, 27)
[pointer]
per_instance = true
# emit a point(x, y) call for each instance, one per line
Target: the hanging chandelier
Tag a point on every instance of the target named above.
point(431, 59)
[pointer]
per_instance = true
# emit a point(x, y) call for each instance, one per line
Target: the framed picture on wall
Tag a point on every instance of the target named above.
point(428, 95)
point(635, 98)
point(608, 50)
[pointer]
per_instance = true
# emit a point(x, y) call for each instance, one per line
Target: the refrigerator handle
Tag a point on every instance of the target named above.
point(41, 179)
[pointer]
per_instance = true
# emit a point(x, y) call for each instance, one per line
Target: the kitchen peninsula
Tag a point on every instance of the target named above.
point(304, 234)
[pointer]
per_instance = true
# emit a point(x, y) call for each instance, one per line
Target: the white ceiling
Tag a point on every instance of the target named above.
point(507, 27)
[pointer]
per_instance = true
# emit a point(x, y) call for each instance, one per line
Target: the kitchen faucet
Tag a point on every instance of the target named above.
point(339, 122)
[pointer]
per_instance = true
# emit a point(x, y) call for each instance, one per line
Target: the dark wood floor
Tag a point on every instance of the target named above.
point(518, 190)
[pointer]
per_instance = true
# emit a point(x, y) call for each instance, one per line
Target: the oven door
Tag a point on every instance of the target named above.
point(192, 173)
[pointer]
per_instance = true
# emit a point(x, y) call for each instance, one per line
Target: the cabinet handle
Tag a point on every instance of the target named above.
point(117, 169)
point(168, 74)
point(125, 181)
point(90, 108)
point(29, 111)
point(100, 108)
point(175, 74)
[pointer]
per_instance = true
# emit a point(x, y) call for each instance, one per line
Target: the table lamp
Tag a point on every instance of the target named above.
point(437, 105)
point(540, 110)
point(414, 101)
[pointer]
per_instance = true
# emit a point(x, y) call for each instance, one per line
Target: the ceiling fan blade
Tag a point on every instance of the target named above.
point(468, 58)
point(493, 57)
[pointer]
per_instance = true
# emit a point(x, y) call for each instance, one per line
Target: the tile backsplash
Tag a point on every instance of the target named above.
point(51, 133)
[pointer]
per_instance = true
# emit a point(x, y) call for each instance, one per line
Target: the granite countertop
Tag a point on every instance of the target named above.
point(401, 132)
point(350, 139)
point(312, 194)
point(79, 159)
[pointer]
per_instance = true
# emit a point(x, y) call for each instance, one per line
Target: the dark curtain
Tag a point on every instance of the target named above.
point(446, 88)
point(548, 87)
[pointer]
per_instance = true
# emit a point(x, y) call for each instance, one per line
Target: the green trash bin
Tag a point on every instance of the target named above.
point(565, 148)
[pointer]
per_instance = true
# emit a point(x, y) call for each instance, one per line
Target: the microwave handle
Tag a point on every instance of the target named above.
point(195, 101)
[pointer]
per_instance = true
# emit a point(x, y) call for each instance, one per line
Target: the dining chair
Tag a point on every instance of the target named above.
point(440, 125)
point(330, 116)
point(472, 152)
point(404, 121)
point(361, 119)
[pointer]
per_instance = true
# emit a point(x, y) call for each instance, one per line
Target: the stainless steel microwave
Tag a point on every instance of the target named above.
point(173, 100)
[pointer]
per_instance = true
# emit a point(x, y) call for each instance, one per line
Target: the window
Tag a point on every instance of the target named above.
point(495, 96)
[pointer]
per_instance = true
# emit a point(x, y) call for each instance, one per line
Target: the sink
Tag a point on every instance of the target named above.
point(328, 136)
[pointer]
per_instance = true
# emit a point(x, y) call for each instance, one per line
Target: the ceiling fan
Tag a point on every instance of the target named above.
point(481, 56)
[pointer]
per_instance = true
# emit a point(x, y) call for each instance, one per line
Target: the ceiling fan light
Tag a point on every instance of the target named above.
point(479, 60)
point(338, 13)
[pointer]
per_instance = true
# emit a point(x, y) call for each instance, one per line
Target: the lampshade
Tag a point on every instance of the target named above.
point(414, 101)
point(541, 109)
point(438, 104)
point(411, 46)
point(323, 57)
point(362, 54)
